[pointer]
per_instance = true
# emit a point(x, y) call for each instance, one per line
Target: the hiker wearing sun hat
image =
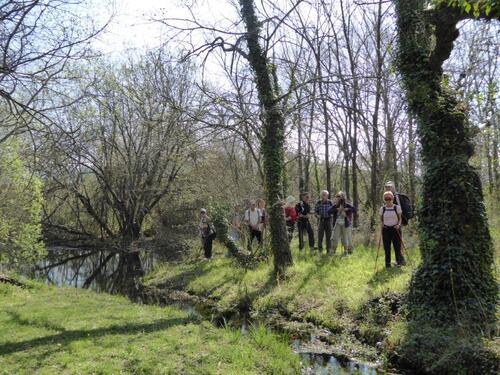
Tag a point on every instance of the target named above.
point(390, 215)
point(290, 216)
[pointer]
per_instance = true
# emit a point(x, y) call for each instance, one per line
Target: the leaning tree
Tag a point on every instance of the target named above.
point(453, 293)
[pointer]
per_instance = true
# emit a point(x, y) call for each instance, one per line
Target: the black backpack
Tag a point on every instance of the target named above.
point(406, 208)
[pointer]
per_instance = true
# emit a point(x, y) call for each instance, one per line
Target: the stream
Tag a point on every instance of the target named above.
point(119, 273)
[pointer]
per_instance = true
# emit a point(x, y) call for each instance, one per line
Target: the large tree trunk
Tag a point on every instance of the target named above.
point(273, 142)
point(453, 294)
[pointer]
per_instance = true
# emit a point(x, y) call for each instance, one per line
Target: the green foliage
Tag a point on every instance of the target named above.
point(69, 331)
point(447, 350)
point(476, 8)
point(220, 215)
point(20, 210)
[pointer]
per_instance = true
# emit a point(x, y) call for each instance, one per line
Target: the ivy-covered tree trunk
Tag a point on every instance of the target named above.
point(274, 139)
point(453, 293)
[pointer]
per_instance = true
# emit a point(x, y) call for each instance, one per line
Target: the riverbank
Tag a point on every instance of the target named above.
point(349, 308)
point(48, 330)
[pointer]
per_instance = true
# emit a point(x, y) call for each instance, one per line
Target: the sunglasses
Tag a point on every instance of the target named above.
point(388, 199)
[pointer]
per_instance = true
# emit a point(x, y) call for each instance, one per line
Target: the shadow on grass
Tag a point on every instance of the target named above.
point(194, 271)
point(384, 275)
point(322, 266)
point(16, 317)
point(66, 337)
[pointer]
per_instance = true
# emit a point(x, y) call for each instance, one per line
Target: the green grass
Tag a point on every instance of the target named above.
point(330, 292)
point(47, 330)
point(334, 293)
point(350, 281)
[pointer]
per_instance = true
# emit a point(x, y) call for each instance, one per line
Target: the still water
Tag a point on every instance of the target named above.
point(101, 271)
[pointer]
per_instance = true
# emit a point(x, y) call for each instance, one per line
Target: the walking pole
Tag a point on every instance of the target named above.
point(403, 246)
point(378, 249)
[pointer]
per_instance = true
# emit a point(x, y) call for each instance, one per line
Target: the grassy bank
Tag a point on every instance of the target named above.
point(361, 307)
point(68, 331)
point(346, 295)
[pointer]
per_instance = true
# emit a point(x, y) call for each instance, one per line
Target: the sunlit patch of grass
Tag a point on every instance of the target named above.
point(53, 331)
point(328, 291)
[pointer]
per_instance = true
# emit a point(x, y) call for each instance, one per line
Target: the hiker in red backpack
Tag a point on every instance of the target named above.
point(290, 216)
point(391, 215)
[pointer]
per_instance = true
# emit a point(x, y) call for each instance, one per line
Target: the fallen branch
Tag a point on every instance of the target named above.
point(10, 280)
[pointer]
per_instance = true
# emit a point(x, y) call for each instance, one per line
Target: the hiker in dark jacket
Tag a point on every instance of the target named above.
point(323, 211)
point(303, 210)
point(207, 233)
point(342, 213)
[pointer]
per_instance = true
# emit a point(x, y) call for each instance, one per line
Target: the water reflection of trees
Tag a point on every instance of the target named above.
point(103, 271)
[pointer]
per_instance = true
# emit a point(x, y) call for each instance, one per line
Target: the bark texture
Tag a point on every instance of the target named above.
point(273, 141)
point(453, 294)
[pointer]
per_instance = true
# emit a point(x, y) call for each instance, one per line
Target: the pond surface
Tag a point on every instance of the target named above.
point(102, 271)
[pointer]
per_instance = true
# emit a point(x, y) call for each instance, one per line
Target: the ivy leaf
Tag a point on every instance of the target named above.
point(476, 10)
point(467, 7)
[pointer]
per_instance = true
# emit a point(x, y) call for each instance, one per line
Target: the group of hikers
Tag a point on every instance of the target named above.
point(334, 223)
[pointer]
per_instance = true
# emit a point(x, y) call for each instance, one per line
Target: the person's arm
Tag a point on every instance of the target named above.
point(246, 219)
point(332, 209)
point(399, 213)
